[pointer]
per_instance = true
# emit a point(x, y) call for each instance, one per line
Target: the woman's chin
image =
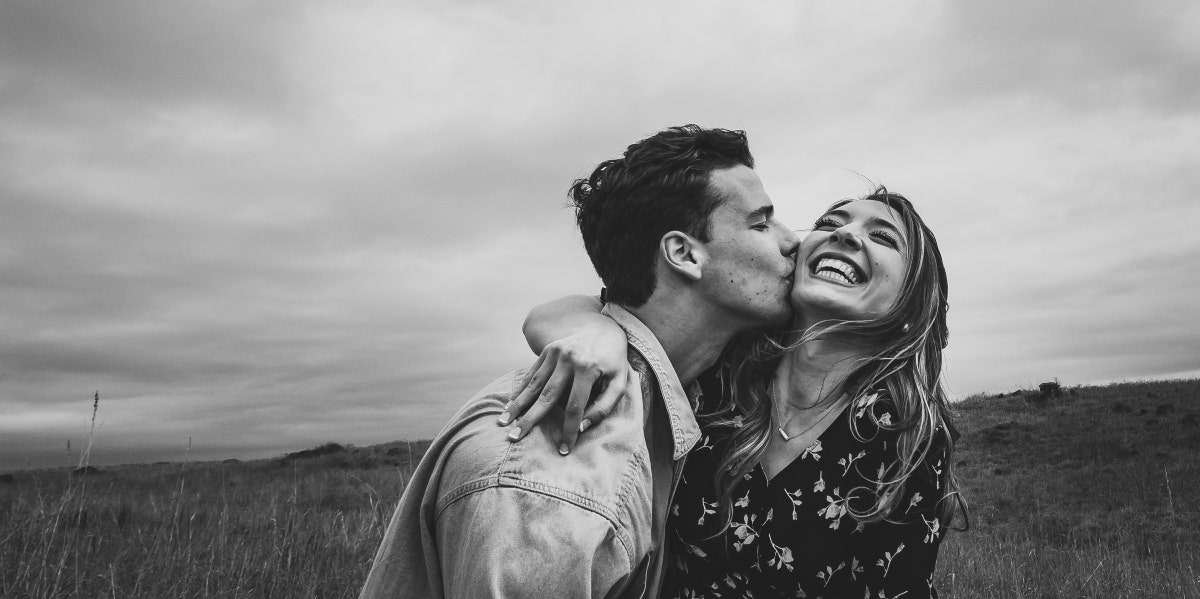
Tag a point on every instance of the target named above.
point(813, 307)
point(809, 314)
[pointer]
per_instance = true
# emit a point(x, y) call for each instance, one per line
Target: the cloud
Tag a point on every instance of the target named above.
point(266, 227)
point(1084, 55)
point(65, 57)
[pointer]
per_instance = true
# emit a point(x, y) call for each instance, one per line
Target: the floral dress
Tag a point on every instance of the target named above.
point(792, 536)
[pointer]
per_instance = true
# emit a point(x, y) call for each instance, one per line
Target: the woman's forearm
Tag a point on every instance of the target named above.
point(561, 318)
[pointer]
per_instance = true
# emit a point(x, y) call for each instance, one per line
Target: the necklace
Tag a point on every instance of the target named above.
point(776, 398)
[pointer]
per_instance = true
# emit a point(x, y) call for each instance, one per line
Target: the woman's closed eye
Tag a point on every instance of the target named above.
point(887, 238)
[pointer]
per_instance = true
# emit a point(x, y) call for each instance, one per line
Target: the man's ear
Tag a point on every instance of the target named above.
point(684, 254)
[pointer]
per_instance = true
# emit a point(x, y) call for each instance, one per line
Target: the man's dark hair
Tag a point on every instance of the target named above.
point(660, 184)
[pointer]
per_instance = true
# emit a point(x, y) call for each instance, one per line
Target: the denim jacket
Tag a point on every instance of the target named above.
point(485, 517)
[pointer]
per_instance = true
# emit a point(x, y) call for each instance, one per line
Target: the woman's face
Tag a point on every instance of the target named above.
point(851, 266)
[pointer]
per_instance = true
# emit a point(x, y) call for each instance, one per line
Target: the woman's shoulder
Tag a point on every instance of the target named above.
point(875, 406)
point(877, 417)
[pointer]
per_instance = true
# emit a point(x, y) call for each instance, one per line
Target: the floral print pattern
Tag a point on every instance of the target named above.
point(794, 535)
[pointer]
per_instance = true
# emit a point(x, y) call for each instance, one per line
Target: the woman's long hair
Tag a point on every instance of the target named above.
point(906, 364)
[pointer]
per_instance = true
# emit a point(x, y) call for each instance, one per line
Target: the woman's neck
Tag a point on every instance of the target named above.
point(814, 373)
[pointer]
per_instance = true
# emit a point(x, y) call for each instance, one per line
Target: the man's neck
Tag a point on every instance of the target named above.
point(692, 338)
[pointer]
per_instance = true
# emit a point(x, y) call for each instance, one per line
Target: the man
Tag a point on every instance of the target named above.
point(684, 237)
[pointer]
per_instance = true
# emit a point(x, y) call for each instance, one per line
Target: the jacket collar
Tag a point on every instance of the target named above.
point(685, 431)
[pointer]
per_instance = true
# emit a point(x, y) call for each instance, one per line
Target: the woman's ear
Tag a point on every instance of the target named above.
point(684, 254)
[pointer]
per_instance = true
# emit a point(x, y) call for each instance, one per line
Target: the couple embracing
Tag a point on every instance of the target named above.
point(746, 414)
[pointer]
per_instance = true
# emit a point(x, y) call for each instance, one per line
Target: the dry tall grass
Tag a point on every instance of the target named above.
point(294, 528)
point(1092, 494)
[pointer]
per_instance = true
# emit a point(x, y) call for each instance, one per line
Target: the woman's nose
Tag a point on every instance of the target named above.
point(846, 235)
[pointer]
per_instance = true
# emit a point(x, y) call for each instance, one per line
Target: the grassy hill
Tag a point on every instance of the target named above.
point(1094, 493)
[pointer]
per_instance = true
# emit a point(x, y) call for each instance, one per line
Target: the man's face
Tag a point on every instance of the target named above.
point(750, 254)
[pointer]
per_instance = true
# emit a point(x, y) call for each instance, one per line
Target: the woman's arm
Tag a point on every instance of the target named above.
point(581, 352)
point(562, 317)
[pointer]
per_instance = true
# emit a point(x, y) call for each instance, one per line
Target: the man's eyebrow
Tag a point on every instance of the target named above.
point(761, 212)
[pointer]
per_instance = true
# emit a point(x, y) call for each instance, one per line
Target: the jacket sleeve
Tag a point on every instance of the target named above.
point(516, 542)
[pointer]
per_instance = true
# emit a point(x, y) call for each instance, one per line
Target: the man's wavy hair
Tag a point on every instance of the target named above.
point(660, 184)
point(904, 363)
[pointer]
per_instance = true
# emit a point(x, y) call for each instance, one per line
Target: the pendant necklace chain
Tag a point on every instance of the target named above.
point(778, 399)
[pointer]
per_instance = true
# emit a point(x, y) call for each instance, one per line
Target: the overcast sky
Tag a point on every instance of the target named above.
point(262, 226)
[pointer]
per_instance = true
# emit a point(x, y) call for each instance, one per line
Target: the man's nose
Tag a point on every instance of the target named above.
point(789, 244)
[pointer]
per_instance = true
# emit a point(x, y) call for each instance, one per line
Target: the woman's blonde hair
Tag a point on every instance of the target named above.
point(906, 365)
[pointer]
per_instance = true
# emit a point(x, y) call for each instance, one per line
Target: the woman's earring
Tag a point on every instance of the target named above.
point(904, 329)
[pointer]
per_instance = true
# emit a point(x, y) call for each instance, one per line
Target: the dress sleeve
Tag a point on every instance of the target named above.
point(898, 555)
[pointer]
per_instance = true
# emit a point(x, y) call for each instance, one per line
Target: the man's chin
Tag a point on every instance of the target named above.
point(784, 316)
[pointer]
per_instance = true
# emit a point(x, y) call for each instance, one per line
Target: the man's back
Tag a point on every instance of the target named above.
point(681, 230)
point(484, 517)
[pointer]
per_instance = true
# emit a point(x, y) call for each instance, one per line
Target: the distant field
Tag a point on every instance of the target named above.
point(1092, 494)
point(306, 526)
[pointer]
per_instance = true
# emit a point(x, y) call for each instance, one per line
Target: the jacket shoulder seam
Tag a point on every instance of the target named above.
point(573, 499)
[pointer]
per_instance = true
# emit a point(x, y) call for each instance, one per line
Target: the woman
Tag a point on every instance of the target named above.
point(826, 463)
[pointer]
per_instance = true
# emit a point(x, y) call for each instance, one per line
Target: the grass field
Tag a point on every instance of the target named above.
point(1092, 494)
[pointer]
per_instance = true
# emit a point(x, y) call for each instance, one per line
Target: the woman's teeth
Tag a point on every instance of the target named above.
point(836, 270)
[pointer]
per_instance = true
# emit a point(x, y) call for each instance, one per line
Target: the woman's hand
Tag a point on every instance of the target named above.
point(594, 359)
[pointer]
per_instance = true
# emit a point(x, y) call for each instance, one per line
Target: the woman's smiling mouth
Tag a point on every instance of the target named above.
point(836, 269)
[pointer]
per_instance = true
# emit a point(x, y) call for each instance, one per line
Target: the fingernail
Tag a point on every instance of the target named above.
point(583, 426)
point(515, 434)
point(504, 418)
point(563, 449)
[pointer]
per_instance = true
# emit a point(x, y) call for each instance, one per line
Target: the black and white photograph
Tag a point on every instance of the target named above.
point(549, 299)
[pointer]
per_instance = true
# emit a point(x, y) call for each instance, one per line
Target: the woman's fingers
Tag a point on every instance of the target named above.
point(535, 380)
point(565, 370)
point(537, 364)
point(581, 392)
point(613, 392)
point(555, 386)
